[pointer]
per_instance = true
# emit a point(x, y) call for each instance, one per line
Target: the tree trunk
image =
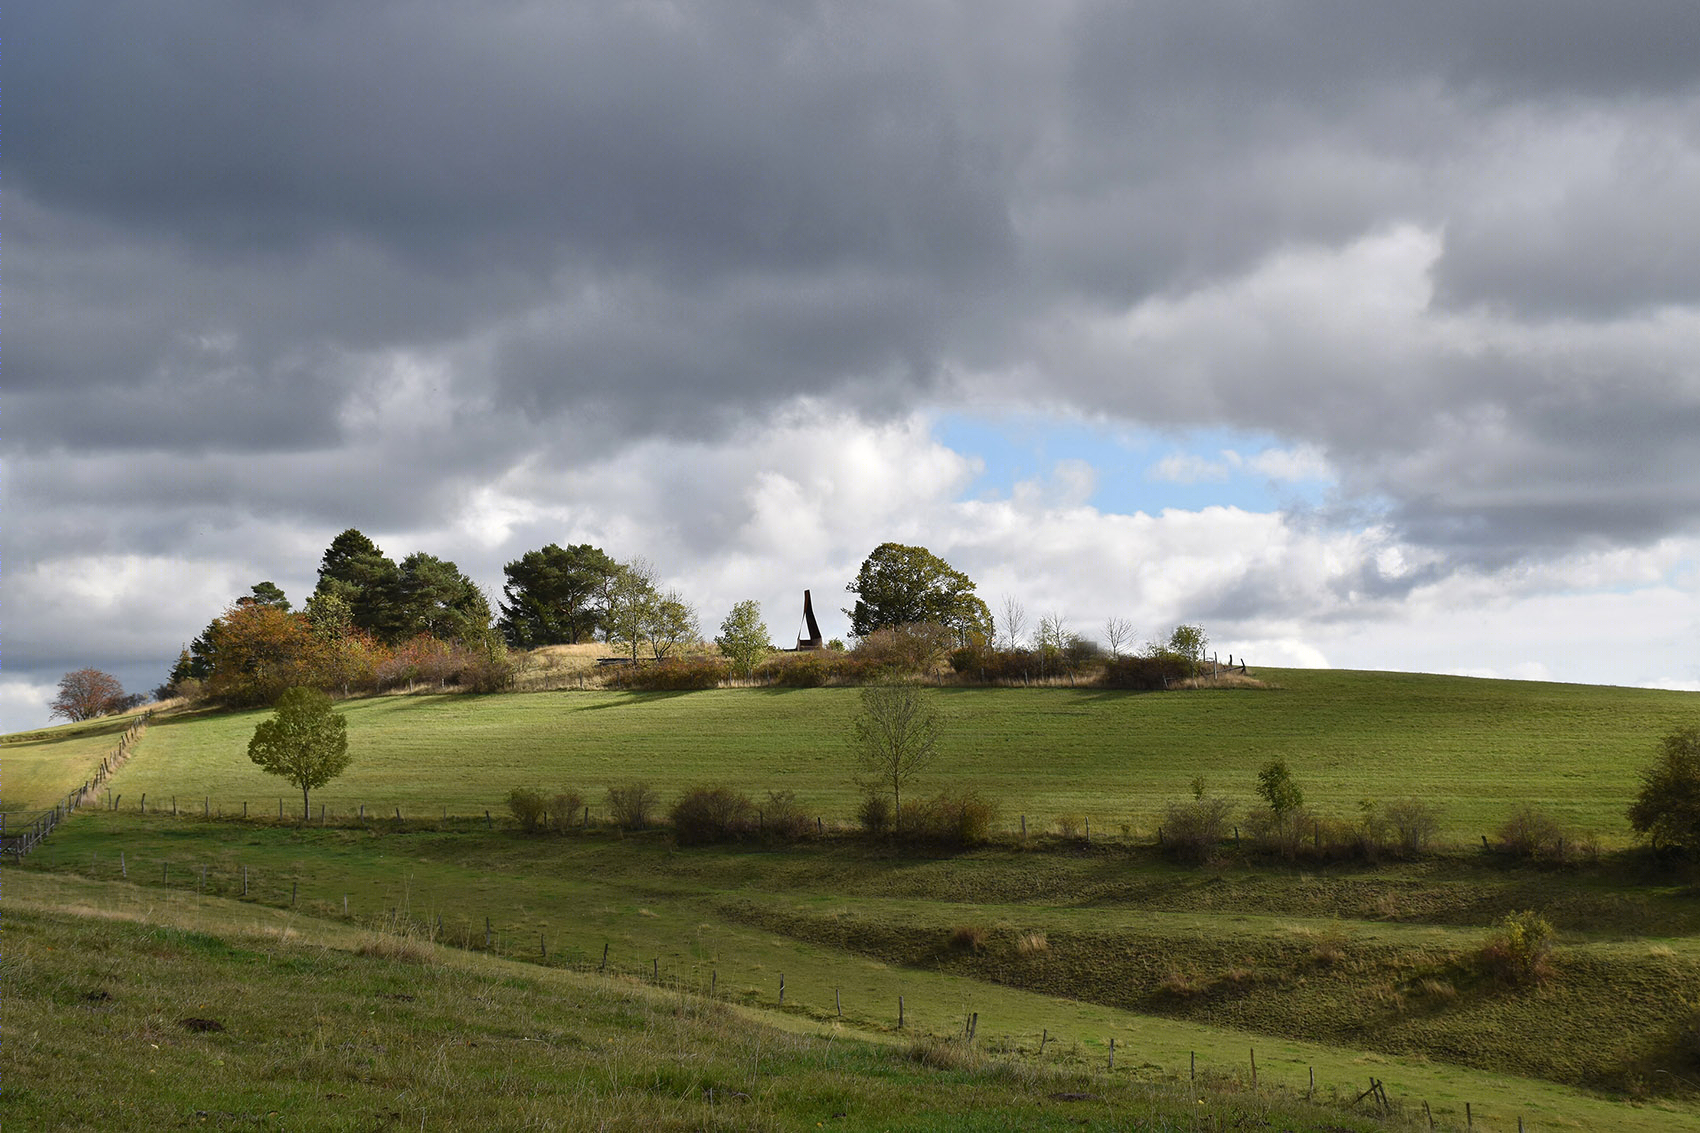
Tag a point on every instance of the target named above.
point(306, 814)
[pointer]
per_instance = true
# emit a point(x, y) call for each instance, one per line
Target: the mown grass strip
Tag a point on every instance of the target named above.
point(1475, 748)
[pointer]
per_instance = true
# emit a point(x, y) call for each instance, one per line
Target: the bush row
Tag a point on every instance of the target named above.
point(1193, 830)
point(711, 814)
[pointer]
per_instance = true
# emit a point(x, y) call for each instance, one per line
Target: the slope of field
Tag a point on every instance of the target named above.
point(37, 768)
point(848, 929)
point(161, 1014)
point(1476, 748)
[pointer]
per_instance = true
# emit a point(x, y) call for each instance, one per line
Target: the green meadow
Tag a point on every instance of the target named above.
point(445, 970)
point(1475, 748)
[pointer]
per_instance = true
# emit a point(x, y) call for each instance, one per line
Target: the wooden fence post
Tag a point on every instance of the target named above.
point(900, 1012)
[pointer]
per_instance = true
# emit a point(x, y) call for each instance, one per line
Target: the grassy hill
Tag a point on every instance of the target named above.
point(205, 1014)
point(1350, 969)
point(1473, 747)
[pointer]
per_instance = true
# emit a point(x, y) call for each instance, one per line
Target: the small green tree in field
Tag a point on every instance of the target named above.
point(896, 735)
point(1666, 811)
point(744, 639)
point(1189, 641)
point(1279, 825)
point(304, 741)
point(1275, 783)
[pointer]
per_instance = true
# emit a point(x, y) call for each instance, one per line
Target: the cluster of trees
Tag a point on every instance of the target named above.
point(370, 623)
point(374, 623)
point(564, 595)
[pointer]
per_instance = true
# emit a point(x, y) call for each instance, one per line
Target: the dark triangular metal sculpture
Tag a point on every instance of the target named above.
point(813, 640)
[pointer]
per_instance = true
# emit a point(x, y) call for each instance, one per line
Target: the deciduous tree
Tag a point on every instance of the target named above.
point(899, 585)
point(257, 652)
point(87, 693)
point(896, 736)
point(304, 741)
point(671, 625)
point(1666, 810)
point(744, 639)
point(632, 602)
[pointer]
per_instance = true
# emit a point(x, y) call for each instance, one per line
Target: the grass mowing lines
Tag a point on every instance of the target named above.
point(1475, 747)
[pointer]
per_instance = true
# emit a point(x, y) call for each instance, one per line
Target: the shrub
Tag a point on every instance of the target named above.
point(712, 814)
point(1280, 833)
point(1530, 833)
point(564, 808)
point(949, 820)
point(1193, 830)
point(528, 807)
point(988, 664)
point(968, 938)
point(898, 651)
point(783, 818)
point(676, 674)
point(1666, 810)
point(632, 805)
point(810, 670)
point(1411, 826)
point(485, 668)
point(874, 814)
point(1517, 950)
point(1070, 826)
point(1154, 671)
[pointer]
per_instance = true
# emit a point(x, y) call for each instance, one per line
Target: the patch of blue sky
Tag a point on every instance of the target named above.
point(1137, 469)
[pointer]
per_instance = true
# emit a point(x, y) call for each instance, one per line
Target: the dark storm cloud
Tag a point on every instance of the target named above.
point(277, 256)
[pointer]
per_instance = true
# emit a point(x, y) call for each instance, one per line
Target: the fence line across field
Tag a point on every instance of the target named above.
point(533, 943)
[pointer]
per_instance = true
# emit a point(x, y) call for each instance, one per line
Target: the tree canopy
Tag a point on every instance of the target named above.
point(356, 571)
point(556, 595)
point(433, 597)
point(87, 693)
point(1667, 808)
point(900, 585)
point(744, 639)
point(304, 741)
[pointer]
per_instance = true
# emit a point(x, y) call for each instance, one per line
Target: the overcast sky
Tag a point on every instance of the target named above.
point(1365, 335)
